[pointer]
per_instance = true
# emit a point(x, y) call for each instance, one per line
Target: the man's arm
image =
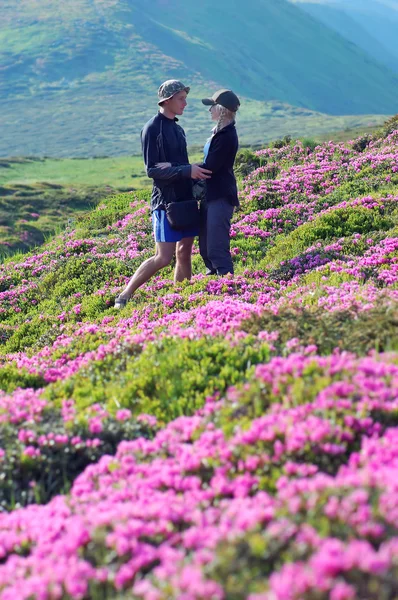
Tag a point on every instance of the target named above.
point(150, 150)
point(197, 172)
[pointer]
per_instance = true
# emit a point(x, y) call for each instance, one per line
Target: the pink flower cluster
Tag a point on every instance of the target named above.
point(28, 408)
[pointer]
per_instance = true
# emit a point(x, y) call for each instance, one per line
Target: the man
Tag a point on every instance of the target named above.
point(166, 160)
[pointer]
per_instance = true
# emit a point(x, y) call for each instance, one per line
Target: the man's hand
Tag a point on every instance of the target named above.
point(198, 172)
point(163, 165)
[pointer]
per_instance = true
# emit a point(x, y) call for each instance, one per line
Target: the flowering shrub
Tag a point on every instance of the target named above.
point(349, 327)
point(231, 437)
point(44, 448)
point(333, 224)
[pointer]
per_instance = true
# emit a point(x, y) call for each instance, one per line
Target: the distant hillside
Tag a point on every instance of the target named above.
point(80, 78)
point(370, 24)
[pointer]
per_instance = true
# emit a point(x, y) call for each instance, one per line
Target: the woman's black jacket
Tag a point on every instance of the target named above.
point(220, 160)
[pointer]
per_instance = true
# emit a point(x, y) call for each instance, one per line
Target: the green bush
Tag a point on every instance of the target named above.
point(111, 210)
point(27, 335)
point(389, 126)
point(246, 162)
point(12, 377)
point(169, 378)
point(243, 566)
point(281, 143)
point(362, 143)
point(309, 144)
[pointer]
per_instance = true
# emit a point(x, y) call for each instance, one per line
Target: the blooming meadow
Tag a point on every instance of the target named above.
point(225, 438)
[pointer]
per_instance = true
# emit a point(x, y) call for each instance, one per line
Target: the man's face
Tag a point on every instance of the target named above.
point(177, 103)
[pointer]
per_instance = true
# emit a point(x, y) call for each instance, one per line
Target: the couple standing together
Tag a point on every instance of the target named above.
point(165, 153)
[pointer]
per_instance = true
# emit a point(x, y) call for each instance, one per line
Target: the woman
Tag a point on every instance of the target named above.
point(221, 190)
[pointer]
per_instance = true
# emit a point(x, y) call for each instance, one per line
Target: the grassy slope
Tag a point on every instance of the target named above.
point(31, 213)
point(78, 285)
point(40, 196)
point(94, 226)
point(122, 171)
point(94, 69)
point(73, 132)
point(286, 56)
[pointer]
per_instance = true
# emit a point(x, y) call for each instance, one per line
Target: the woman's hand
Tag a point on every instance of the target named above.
point(163, 165)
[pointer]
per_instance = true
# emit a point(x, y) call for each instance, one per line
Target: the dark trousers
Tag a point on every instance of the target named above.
point(214, 238)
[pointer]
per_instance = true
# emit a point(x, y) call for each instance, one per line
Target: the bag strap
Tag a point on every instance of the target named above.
point(161, 142)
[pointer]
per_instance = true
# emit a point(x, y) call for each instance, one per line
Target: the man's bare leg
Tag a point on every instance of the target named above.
point(183, 268)
point(163, 257)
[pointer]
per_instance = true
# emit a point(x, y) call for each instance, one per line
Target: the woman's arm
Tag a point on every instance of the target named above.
point(218, 153)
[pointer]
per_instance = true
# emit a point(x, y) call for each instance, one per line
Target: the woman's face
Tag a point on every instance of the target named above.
point(215, 112)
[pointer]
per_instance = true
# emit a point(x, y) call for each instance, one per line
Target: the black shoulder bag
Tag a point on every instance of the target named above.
point(185, 213)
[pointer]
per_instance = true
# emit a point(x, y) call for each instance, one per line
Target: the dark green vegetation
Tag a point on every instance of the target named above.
point(80, 79)
point(30, 213)
point(176, 375)
point(69, 451)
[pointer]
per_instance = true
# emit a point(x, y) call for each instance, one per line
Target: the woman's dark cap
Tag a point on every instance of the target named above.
point(225, 98)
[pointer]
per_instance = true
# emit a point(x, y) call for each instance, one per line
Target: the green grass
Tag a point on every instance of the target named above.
point(258, 123)
point(31, 213)
point(346, 134)
point(117, 172)
point(124, 171)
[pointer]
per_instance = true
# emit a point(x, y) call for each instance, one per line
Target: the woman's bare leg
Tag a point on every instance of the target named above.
point(183, 268)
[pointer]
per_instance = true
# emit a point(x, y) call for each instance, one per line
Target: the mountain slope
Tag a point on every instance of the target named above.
point(371, 24)
point(82, 77)
point(347, 25)
point(273, 51)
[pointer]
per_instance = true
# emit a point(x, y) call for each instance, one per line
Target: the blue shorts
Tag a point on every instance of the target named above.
point(163, 232)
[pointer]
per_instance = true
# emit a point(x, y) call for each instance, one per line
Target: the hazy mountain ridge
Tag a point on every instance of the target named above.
point(370, 24)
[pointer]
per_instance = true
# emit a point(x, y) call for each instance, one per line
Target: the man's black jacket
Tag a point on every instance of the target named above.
point(220, 161)
point(163, 140)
